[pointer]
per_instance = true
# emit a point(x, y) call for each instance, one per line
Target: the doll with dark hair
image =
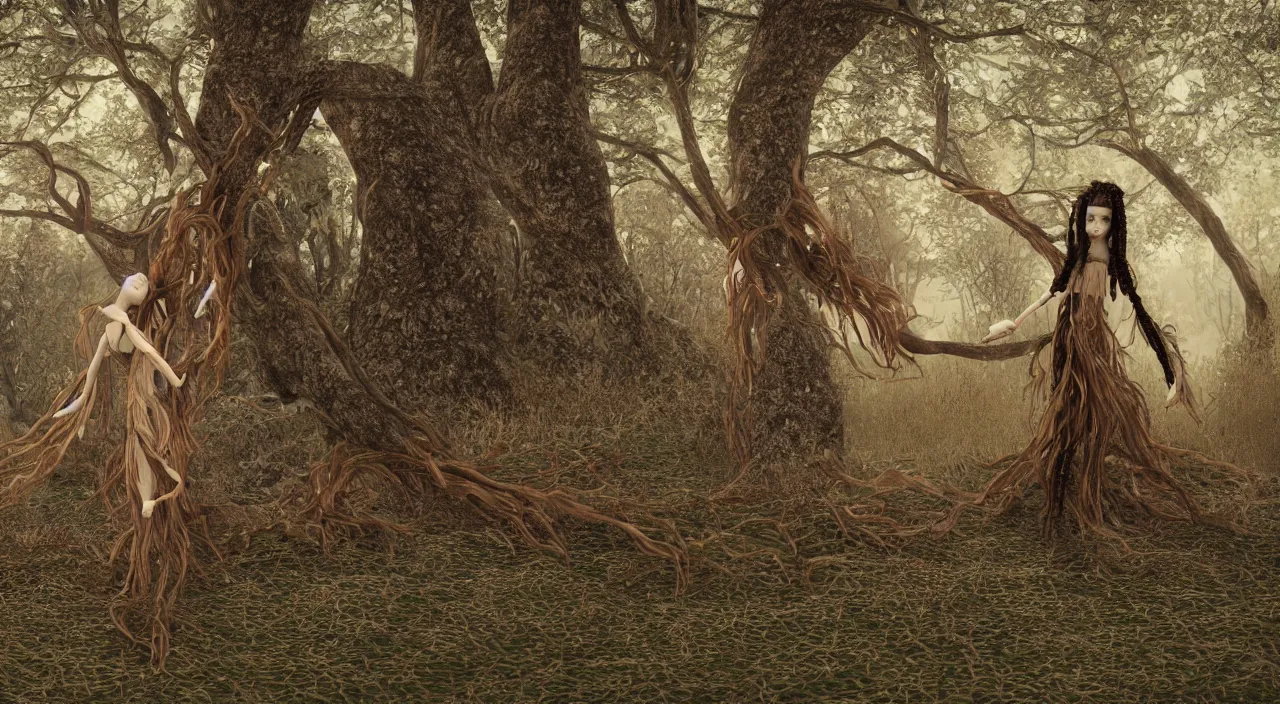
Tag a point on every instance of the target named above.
point(1093, 409)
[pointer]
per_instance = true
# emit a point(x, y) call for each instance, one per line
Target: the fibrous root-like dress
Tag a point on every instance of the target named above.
point(1093, 411)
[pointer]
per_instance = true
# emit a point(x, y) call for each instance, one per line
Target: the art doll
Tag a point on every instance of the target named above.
point(123, 337)
point(1093, 408)
point(146, 436)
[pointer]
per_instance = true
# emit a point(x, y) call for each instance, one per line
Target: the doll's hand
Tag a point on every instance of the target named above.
point(1001, 329)
point(113, 312)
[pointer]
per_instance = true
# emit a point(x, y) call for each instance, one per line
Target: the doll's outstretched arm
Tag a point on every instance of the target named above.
point(90, 378)
point(143, 345)
point(1033, 307)
point(1006, 327)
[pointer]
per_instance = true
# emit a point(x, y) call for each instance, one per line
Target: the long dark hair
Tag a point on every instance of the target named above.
point(1109, 195)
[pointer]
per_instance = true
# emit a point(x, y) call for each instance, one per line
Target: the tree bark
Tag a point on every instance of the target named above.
point(1258, 324)
point(798, 406)
point(449, 52)
point(258, 59)
point(297, 359)
point(424, 316)
point(915, 344)
point(577, 300)
point(577, 292)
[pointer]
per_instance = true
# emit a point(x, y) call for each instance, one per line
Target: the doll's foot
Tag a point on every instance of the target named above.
point(70, 407)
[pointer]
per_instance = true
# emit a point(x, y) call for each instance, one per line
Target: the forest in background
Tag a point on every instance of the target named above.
point(479, 234)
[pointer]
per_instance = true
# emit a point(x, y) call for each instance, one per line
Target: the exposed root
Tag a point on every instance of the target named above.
point(416, 459)
point(531, 512)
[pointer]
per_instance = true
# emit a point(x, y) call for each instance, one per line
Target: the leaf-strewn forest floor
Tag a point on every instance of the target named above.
point(989, 613)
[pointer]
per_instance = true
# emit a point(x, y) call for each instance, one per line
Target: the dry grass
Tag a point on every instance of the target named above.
point(953, 411)
point(782, 607)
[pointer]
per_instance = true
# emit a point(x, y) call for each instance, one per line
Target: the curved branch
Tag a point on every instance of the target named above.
point(616, 70)
point(119, 251)
point(991, 200)
point(915, 344)
point(1130, 117)
point(118, 261)
point(654, 156)
point(727, 14)
point(914, 21)
point(111, 44)
point(1257, 312)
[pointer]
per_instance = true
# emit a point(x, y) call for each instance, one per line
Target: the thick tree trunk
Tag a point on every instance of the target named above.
point(451, 64)
point(577, 292)
point(1257, 316)
point(424, 317)
point(450, 53)
point(257, 58)
point(577, 300)
point(300, 363)
point(798, 406)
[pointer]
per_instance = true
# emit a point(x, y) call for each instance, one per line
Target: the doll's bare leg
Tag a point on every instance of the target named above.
point(149, 506)
point(146, 480)
point(89, 379)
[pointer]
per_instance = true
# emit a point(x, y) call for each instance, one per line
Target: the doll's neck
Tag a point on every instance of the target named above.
point(1098, 249)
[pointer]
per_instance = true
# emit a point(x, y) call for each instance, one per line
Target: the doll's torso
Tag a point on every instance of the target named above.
point(117, 337)
point(117, 340)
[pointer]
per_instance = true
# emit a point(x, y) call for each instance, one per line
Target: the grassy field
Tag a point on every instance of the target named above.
point(782, 605)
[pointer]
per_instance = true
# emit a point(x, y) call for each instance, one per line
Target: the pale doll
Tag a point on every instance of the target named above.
point(123, 337)
point(1093, 406)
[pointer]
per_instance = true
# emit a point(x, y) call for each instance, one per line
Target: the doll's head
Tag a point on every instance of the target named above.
point(1098, 211)
point(1097, 223)
point(134, 290)
point(1103, 197)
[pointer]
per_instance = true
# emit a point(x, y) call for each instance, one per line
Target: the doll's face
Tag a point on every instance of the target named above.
point(1097, 221)
point(135, 289)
